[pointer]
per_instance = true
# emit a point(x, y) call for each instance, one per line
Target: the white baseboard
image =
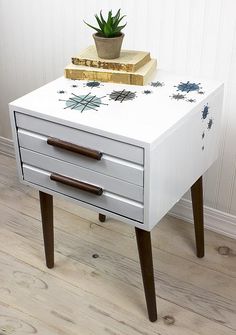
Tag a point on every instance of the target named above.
point(220, 222)
point(6, 147)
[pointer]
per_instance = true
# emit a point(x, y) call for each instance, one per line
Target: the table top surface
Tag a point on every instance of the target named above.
point(139, 114)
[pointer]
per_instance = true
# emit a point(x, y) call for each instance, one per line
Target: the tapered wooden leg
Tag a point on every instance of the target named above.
point(197, 202)
point(101, 217)
point(145, 255)
point(46, 205)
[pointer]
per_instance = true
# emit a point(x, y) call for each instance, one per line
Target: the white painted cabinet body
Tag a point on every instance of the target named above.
point(155, 140)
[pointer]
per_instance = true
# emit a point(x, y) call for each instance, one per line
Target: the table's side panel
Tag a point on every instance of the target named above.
point(177, 162)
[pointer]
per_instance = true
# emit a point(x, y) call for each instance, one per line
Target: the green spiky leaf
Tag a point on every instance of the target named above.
point(108, 31)
point(102, 18)
point(110, 27)
point(99, 22)
point(121, 27)
point(118, 21)
point(117, 16)
point(109, 19)
point(97, 29)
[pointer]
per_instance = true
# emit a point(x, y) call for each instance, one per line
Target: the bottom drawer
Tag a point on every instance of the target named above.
point(108, 201)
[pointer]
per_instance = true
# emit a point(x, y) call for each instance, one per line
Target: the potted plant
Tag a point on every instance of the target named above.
point(109, 36)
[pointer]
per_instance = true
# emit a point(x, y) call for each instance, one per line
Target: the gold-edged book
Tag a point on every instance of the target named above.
point(129, 60)
point(140, 77)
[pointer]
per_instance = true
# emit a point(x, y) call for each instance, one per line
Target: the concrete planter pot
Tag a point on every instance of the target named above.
point(108, 48)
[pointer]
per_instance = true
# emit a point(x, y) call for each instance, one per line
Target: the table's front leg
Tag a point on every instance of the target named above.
point(46, 205)
point(145, 255)
point(197, 203)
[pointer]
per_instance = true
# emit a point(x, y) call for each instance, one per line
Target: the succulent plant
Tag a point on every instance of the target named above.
point(110, 27)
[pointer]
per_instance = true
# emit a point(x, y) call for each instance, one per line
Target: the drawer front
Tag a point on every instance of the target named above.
point(112, 185)
point(108, 165)
point(89, 140)
point(107, 201)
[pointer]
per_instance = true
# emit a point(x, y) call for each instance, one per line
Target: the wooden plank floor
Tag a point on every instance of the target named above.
point(96, 286)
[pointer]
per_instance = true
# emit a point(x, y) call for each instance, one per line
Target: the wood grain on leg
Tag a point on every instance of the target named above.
point(146, 263)
point(46, 205)
point(101, 217)
point(197, 202)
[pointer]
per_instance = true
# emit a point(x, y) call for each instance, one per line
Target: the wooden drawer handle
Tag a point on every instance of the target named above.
point(74, 148)
point(76, 183)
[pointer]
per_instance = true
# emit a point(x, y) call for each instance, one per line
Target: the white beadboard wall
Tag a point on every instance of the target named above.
point(197, 37)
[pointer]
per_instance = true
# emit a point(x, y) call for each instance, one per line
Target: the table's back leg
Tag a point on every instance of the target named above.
point(197, 203)
point(145, 255)
point(101, 217)
point(46, 205)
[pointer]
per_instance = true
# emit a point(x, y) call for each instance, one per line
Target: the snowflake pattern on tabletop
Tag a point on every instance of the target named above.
point(191, 100)
point(157, 84)
point(147, 92)
point(183, 89)
point(178, 96)
point(83, 102)
point(189, 87)
point(93, 84)
point(122, 95)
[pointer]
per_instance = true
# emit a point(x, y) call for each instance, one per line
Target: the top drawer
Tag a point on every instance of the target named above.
point(82, 138)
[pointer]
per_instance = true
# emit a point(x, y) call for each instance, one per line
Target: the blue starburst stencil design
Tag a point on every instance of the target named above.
point(207, 123)
point(205, 112)
point(92, 84)
point(83, 102)
point(189, 87)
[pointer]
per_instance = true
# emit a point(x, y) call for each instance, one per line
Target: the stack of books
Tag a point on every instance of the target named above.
point(132, 67)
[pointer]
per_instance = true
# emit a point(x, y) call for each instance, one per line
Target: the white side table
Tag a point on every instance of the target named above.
point(128, 152)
